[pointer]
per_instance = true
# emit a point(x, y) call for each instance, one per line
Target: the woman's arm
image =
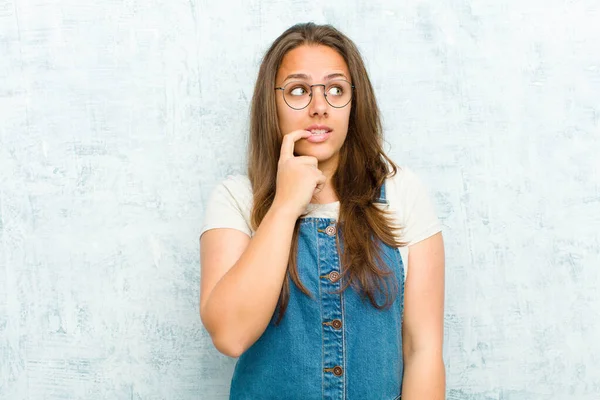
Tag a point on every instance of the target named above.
point(423, 330)
point(242, 279)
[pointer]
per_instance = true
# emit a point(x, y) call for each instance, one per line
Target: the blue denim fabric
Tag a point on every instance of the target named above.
point(330, 346)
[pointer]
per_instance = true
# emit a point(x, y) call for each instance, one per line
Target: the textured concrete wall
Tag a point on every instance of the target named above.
point(118, 117)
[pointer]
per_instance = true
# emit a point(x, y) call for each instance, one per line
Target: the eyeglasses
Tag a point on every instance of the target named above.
point(298, 94)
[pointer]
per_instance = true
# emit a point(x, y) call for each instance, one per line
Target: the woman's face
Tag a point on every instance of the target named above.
point(314, 65)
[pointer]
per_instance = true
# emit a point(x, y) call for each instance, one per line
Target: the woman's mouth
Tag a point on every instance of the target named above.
point(318, 135)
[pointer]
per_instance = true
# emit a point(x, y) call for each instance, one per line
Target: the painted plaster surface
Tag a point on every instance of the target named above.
point(117, 118)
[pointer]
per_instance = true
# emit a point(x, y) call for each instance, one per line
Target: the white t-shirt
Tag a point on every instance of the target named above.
point(230, 206)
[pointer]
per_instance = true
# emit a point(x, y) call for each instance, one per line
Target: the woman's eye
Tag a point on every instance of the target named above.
point(335, 91)
point(298, 91)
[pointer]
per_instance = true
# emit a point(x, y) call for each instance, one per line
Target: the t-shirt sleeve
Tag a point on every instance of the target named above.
point(228, 206)
point(419, 220)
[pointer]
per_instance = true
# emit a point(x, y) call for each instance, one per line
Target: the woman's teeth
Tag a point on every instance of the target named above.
point(318, 131)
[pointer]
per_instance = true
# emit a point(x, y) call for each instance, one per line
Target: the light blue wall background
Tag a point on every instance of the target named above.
point(117, 118)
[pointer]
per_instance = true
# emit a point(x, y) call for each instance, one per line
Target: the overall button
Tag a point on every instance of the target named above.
point(330, 230)
point(336, 323)
point(334, 276)
point(338, 371)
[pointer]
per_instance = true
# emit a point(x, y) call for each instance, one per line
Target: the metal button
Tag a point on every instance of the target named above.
point(330, 230)
point(338, 371)
point(336, 323)
point(334, 276)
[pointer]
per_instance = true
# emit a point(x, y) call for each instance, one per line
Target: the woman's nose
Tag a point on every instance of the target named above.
point(318, 104)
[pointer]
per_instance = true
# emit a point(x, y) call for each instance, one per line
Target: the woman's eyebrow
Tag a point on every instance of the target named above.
point(335, 75)
point(297, 76)
point(307, 77)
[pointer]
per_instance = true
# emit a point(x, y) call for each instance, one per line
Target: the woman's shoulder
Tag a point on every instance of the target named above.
point(403, 181)
point(411, 202)
point(230, 205)
point(239, 189)
point(238, 184)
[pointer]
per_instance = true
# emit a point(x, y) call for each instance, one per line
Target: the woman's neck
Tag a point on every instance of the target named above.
point(327, 194)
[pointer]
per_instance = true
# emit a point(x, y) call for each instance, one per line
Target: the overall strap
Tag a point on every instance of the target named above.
point(382, 199)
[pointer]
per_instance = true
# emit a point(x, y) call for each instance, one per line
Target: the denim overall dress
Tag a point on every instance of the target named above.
point(328, 346)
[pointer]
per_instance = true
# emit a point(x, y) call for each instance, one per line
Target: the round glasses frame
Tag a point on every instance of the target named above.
point(282, 88)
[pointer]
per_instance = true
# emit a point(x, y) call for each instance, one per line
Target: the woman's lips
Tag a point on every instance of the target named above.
point(318, 127)
point(318, 136)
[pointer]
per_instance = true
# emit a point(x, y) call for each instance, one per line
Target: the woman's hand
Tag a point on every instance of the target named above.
point(298, 177)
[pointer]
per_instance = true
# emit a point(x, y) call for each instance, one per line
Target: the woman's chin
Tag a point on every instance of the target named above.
point(323, 159)
point(321, 156)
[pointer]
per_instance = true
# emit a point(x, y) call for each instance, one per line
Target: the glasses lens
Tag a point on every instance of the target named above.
point(338, 93)
point(296, 94)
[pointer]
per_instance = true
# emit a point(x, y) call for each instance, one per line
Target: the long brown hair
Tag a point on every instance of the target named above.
point(361, 171)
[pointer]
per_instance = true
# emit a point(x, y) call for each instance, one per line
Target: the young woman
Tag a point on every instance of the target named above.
point(323, 268)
